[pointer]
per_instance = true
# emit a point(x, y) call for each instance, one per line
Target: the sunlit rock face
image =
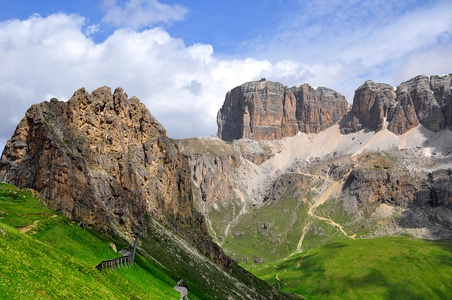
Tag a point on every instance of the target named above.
point(103, 159)
point(371, 105)
point(266, 110)
point(421, 100)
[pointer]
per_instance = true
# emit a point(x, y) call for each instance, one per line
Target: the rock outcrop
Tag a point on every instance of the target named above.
point(421, 100)
point(370, 107)
point(215, 176)
point(394, 187)
point(103, 159)
point(266, 110)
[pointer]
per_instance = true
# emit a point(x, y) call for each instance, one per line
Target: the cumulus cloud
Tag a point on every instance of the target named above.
point(137, 14)
point(183, 86)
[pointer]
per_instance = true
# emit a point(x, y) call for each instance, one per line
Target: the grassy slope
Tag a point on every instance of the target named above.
point(384, 268)
point(56, 258)
point(201, 276)
point(253, 234)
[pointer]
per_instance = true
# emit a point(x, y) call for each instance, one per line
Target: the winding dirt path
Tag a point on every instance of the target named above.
point(339, 226)
point(336, 185)
point(333, 189)
point(301, 258)
point(277, 277)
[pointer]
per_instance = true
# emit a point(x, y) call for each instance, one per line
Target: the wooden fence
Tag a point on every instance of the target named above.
point(126, 260)
point(115, 263)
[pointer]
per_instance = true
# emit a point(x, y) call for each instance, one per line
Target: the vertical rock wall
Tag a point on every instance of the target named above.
point(421, 100)
point(266, 110)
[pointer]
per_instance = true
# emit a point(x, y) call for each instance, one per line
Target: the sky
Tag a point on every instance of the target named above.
point(180, 57)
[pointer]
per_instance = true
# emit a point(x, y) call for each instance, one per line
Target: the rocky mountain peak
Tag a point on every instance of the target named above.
point(266, 110)
point(370, 107)
point(103, 159)
point(421, 100)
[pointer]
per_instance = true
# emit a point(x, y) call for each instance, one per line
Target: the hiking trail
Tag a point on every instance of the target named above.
point(336, 185)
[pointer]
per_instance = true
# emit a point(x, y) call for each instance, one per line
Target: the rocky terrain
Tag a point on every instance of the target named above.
point(421, 100)
point(101, 158)
point(384, 169)
point(266, 110)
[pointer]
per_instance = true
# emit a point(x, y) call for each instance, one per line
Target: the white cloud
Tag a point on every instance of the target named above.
point(182, 86)
point(92, 29)
point(138, 14)
point(402, 36)
point(436, 61)
point(201, 52)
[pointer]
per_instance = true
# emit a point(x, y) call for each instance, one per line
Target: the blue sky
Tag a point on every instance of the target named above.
point(181, 57)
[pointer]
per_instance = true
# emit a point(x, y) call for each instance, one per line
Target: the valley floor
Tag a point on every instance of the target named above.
point(382, 268)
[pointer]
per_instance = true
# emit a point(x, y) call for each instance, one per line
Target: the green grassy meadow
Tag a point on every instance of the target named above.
point(383, 268)
point(45, 255)
point(275, 224)
point(54, 258)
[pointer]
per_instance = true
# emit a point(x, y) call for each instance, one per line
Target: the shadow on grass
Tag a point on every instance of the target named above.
point(371, 285)
point(335, 245)
point(433, 219)
point(401, 291)
point(415, 271)
point(446, 245)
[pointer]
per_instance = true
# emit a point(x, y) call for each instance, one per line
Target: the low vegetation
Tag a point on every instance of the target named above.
point(45, 255)
point(277, 223)
point(383, 268)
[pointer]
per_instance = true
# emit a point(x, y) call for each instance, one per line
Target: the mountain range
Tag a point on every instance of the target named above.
point(294, 168)
point(289, 170)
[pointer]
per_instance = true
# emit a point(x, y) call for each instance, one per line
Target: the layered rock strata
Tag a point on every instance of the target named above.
point(421, 100)
point(103, 159)
point(266, 110)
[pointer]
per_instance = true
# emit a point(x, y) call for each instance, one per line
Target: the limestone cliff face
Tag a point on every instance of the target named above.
point(421, 100)
point(266, 110)
point(215, 176)
point(103, 159)
point(370, 108)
